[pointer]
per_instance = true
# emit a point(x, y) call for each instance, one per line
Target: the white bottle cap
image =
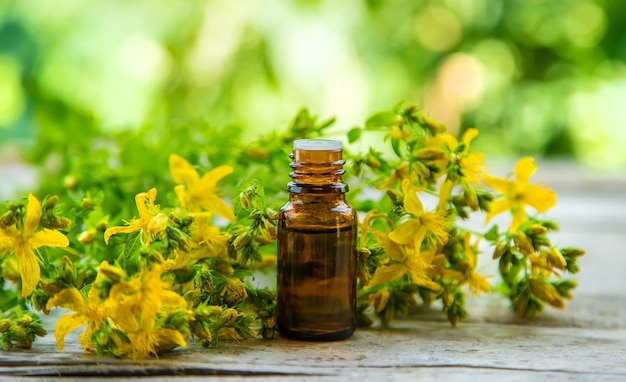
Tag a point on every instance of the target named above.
point(317, 145)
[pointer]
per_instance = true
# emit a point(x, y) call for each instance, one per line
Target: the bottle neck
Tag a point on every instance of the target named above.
point(317, 172)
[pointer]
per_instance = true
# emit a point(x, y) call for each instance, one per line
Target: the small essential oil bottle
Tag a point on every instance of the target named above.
point(317, 247)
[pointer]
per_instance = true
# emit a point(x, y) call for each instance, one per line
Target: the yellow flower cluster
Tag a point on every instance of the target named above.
point(128, 314)
point(426, 247)
point(131, 308)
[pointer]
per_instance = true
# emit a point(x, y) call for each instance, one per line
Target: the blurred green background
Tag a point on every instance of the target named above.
point(539, 77)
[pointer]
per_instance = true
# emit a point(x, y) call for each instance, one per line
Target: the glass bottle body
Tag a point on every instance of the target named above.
point(317, 254)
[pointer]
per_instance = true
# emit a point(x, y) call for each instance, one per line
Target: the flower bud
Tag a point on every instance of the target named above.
point(87, 204)
point(423, 171)
point(364, 253)
point(234, 291)
point(87, 237)
point(157, 224)
point(546, 292)
point(572, 252)
point(68, 268)
point(5, 324)
point(263, 240)
point(363, 273)
point(24, 320)
point(564, 288)
point(204, 282)
point(244, 200)
point(271, 229)
point(501, 248)
point(70, 182)
point(430, 153)
point(271, 322)
point(536, 229)
point(6, 343)
point(521, 305)
point(572, 266)
point(50, 202)
point(229, 334)
point(228, 316)
point(7, 219)
point(397, 133)
point(523, 244)
point(372, 161)
point(201, 330)
point(448, 299)
point(49, 287)
point(541, 241)
point(402, 171)
point(111, 271)
point(470, 196)
point(242, 240)
point(430, 124)
point(551, 225)
point(271, 214)
point(38, 330)
point(556, 259)
point(399, 120)
point(102, 225)
point(394, 196)
point(380, 299)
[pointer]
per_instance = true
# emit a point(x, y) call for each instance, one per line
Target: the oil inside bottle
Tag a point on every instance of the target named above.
point(316, 272)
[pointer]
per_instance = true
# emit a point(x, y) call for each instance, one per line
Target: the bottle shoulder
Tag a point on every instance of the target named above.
point(339, 214)
point(336, 206)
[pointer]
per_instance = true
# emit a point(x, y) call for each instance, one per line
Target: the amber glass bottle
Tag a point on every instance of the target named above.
point(317, 247)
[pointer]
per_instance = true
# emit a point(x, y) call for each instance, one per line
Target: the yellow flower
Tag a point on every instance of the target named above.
point(152, 341)
point(198, 193)
point(134, 306)
point(475, 281)
point(365, 226)
point(468, 165)
point(88, 311)
point(403, 260)
point(206, 235)
point(150, 221)
point(519, 193)
point(136, 303)
point(423, 225)
point(23, 239)
point(206, 241)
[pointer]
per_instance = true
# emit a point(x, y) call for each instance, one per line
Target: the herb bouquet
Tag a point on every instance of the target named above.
point(164, 235)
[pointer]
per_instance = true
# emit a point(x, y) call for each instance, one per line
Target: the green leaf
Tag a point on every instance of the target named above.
point(354, 134)
point(133, 243)
point(8, 300)
point(395, 145)
point(381, 119)
point(492, 234)
point(327, 123)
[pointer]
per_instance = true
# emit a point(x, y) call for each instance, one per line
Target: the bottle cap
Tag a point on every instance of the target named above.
point(317, 145)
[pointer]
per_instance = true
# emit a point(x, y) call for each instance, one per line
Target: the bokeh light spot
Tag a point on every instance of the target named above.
point(11, 93)
point(437, 29)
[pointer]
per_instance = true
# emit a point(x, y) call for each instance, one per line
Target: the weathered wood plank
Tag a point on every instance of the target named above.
point(589, 340)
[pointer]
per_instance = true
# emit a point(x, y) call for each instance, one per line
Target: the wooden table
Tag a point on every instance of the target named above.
point(586, 341)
